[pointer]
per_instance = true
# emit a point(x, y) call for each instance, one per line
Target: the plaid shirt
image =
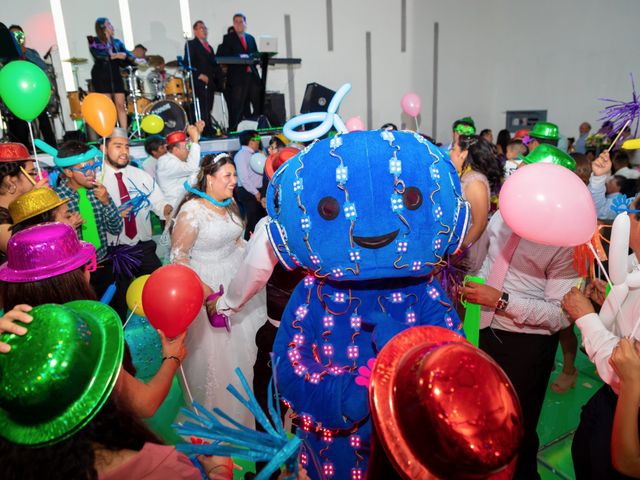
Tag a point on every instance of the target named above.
point(108, 219)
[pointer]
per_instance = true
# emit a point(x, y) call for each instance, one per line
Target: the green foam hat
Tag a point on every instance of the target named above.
point(545, 130)
point(60, 373)
point(545, 153)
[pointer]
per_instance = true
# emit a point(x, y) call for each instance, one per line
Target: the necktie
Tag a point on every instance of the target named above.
point(89, 229)
point(206, 46)
point(130, 228)
point(497, 275)
point(243, 41)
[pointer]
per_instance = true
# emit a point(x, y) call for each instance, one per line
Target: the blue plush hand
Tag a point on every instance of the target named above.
point(355, 402)
point(385, 328)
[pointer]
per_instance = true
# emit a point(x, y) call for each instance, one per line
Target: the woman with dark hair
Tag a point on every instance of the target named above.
point(207, 237)
point(109, 56)
point(480, 177)
point(504, 137)
point(17, 172)
point(62, 276)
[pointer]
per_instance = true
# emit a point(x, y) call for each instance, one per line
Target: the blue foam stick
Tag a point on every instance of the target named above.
point(107, 296)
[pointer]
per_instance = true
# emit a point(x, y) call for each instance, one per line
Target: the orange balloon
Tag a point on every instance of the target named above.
point(99, 112)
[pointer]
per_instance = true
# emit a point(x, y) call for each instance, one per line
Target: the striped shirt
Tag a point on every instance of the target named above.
point(538, 278)
point(108, 220)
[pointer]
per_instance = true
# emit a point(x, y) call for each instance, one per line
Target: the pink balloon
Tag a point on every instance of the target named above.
point(548, 204)
point(354, 124)
point(411, 104)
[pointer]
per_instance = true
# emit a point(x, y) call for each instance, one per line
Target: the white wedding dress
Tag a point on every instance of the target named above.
point(212, 245)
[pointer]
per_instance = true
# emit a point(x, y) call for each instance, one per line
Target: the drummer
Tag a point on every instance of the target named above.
point(179, 163)
point(140, 52)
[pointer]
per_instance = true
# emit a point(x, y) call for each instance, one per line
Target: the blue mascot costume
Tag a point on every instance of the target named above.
point(368, 215)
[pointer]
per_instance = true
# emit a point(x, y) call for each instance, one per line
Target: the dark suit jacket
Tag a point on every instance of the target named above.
point(231, 46)
point(205, 63)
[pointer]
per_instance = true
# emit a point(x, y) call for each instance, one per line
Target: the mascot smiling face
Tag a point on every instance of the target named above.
point(367, 205)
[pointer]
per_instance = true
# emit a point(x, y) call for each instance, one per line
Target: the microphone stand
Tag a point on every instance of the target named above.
point(194, 98)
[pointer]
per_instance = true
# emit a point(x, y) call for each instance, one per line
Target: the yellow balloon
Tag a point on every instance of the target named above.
point(633, 144)
point(152, 124)
point(134, 295)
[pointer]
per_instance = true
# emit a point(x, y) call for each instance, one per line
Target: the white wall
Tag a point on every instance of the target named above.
point(495, 55)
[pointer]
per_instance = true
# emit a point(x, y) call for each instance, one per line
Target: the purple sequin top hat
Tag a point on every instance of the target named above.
point(44, 251)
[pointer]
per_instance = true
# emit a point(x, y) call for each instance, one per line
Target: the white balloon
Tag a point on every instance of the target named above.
point(257, 162)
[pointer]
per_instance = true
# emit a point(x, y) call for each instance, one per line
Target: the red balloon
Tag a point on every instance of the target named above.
point(172, 298)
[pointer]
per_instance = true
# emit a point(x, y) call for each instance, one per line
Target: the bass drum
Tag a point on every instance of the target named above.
point(174, 116)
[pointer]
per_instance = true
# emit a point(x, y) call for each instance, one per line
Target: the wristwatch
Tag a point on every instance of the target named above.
point(503, 303)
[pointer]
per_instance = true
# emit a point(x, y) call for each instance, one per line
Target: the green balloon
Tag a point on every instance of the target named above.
point(25, 89)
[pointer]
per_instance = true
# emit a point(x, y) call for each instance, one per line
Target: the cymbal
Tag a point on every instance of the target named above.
point(76, 60)
point(155, 60)
point(172, 64)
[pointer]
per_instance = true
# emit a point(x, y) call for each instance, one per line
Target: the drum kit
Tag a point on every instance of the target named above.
point(156, 88)
point(153, 88)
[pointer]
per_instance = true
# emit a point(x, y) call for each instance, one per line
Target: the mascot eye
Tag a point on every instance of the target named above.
point(412, 198)
point(328, 208)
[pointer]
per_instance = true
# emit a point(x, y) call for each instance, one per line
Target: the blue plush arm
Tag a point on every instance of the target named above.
point(436, 309)
point(326, 400)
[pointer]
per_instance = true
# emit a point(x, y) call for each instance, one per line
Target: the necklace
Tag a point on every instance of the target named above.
point(190, 189)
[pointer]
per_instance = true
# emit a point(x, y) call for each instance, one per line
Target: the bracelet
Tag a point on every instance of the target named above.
point(172, 357)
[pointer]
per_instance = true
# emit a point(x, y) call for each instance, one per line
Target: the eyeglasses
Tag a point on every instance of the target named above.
point(89, 168)
point(92, 265)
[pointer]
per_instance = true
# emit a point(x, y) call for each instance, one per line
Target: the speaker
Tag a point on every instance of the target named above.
point(274, 108)
point(316, 98)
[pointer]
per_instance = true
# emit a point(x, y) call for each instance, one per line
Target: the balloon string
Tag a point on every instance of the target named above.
point(186, 385)
point(133, 310)
point(606, 275)
point(104, 155)
point(35, 152)
point(417, 123)
point(635, 329)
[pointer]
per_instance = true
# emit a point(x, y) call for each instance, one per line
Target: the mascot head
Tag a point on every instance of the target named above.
point(367, 205)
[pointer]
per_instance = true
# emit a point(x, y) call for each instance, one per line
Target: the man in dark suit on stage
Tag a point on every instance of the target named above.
point(243, 82)
point(207, 75)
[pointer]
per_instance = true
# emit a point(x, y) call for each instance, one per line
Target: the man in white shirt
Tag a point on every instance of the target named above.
point(521, 318)
point(181, 161)
point(249, 182)
point(601, 333)
point(134, 187)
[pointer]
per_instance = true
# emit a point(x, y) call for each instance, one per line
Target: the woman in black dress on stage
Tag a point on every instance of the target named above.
point(109, 55)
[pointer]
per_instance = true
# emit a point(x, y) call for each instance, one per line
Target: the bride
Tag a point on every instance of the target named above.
point(207, 237)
